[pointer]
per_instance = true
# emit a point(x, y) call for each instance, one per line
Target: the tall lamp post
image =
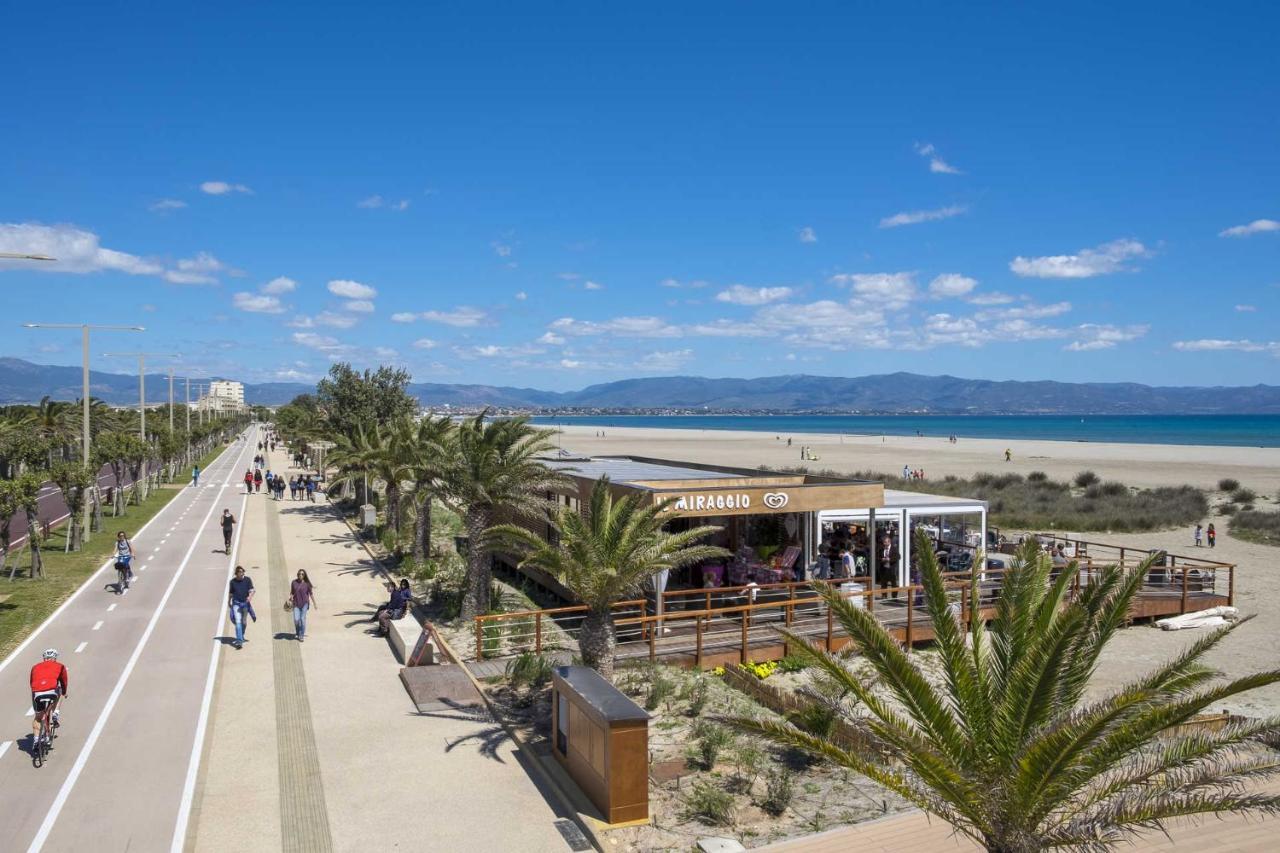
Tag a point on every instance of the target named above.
point(84, 426)
point(142, 383)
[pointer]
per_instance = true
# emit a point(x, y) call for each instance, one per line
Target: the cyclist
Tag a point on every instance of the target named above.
point(228, 522)
point(124, 556)
point(48, 687)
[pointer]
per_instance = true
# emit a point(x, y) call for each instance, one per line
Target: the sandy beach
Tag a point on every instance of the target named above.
point(1135, 650)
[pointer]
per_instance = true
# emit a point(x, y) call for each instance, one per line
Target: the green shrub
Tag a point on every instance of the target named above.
point(708, 804)
point(748, 760)
point(531, 670)
point(699, 692)
point(490, 638)
point(779, 791)
point(1228, 484)
point(660, 688)
point(711, 739)
point(1244, 496)
point(793, 663)
point(1228, 509)
point(816, 718)
point(1085, 479)
point(1037, 477)
point(1112, 489)
point(1257, 526)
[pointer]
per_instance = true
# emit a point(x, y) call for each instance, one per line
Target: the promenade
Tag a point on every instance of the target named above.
point(316, 745)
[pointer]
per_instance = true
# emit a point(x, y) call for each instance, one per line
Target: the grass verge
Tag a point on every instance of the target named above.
point(25, 603)
point(1256, 526)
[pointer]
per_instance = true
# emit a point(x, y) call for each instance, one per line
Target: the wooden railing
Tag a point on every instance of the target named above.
point(797, 603)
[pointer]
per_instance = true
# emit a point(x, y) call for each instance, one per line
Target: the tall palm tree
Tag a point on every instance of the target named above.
point(605, 553)
point(492, 467)
point(56, 423)
point(419, 449)
point(1007, 751)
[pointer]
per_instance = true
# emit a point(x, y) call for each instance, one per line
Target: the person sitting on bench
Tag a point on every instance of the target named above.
point(396, 608)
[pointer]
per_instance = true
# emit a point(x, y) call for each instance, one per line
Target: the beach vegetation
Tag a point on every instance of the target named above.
point(1243, 495)
point(1228, 484)
point(710, 804)
point(1085, 479)
point(1020, 503)
point(603, 553)
point(1259, 526)
point(1005, 747)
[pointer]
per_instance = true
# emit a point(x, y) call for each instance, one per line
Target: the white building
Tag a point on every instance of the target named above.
point(224, 396)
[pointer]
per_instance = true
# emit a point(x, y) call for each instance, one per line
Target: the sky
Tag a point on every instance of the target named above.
point(556, 195)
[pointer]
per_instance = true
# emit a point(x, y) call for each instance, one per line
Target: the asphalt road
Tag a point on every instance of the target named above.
point(122, 769)
point(53, 508)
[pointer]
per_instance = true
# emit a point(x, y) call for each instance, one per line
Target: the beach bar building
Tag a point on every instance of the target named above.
point(781, 526)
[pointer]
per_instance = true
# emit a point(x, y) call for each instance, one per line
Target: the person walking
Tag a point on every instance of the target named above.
point(239, 598)
point(227, 522)
point(248, 481)
point(1199, 534)
point(1008, 455)
point(311, 489)
point(302, 594)
point(1213, 536)
point(257, 480)
point(195, 475)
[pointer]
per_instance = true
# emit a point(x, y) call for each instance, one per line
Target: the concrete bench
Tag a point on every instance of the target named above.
point(403, 636)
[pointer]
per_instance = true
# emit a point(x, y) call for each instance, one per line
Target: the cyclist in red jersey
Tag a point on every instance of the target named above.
point(48, 687)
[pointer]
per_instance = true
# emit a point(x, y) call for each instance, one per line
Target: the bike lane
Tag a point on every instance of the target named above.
point(121, 652)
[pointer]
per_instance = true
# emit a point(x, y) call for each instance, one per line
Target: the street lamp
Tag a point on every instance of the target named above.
point(84, 338)
point(142, 382)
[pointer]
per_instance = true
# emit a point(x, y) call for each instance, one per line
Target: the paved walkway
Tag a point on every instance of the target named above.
point(316, 745)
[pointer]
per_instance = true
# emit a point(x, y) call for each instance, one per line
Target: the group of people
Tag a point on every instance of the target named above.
point(302, 595)
point(912, 473)
point(300, 487)
point(1211, 534)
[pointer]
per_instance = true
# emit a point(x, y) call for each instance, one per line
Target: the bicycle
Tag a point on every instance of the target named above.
point(122, 573)
point(40, 749)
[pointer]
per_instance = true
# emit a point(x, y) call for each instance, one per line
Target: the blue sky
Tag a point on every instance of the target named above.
point(573, 193)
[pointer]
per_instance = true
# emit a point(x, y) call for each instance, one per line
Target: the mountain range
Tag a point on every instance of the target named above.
point(24, 382)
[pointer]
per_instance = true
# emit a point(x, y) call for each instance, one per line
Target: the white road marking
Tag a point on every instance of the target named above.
point(80, 647)
point(31, 712)
point(96, 625)
point(51, 816)
point(4, 747)
point(197, 745)
point(110, 608)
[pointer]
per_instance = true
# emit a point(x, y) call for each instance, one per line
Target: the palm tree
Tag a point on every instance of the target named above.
point(55, 422)
point(419, 449)
point(492, 467)
point(604, 555)
point(353, 456)
point(1006, 751)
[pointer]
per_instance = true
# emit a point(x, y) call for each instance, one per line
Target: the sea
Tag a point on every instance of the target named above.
point(1219, 430)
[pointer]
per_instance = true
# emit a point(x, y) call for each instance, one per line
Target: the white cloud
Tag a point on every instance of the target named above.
point(1246, 308)
point(592, 285)
point(568, 276)
point(502, 250)
point(279, 286)
point(950, 284)
point(359, 306)
point(521, 296)
point(223, 188)
point(936, 163)
point(497, 351)
point(202, 269)
point(551, 339)
point(373, 201)
point(1100, 260)
point(807, 235)
point(992, 298)
point(1091, 336)
point(401, 205)
point(1029, 311)
point(1213, 344)
point(257, 303)
point(1257, 226)
point(323, 343)
point(625, 327)
point(463, 317)
point(385, 353)
point(664, 360)
point(729, 329)
point(570, 364)
point(676, 283)
point(425, 343)
point(75, 251)
point(740, 294)
point(351, 289)
point(324, 318)
point(890, 289)
point(915, 217)
point(165, 204)
point(403, 317)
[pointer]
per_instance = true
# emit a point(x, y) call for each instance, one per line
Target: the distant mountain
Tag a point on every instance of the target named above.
point(24, 382)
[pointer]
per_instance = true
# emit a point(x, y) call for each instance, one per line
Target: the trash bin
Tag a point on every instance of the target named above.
point(368, 515)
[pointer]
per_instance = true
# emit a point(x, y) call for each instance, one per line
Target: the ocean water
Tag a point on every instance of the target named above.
point(1221, 430)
